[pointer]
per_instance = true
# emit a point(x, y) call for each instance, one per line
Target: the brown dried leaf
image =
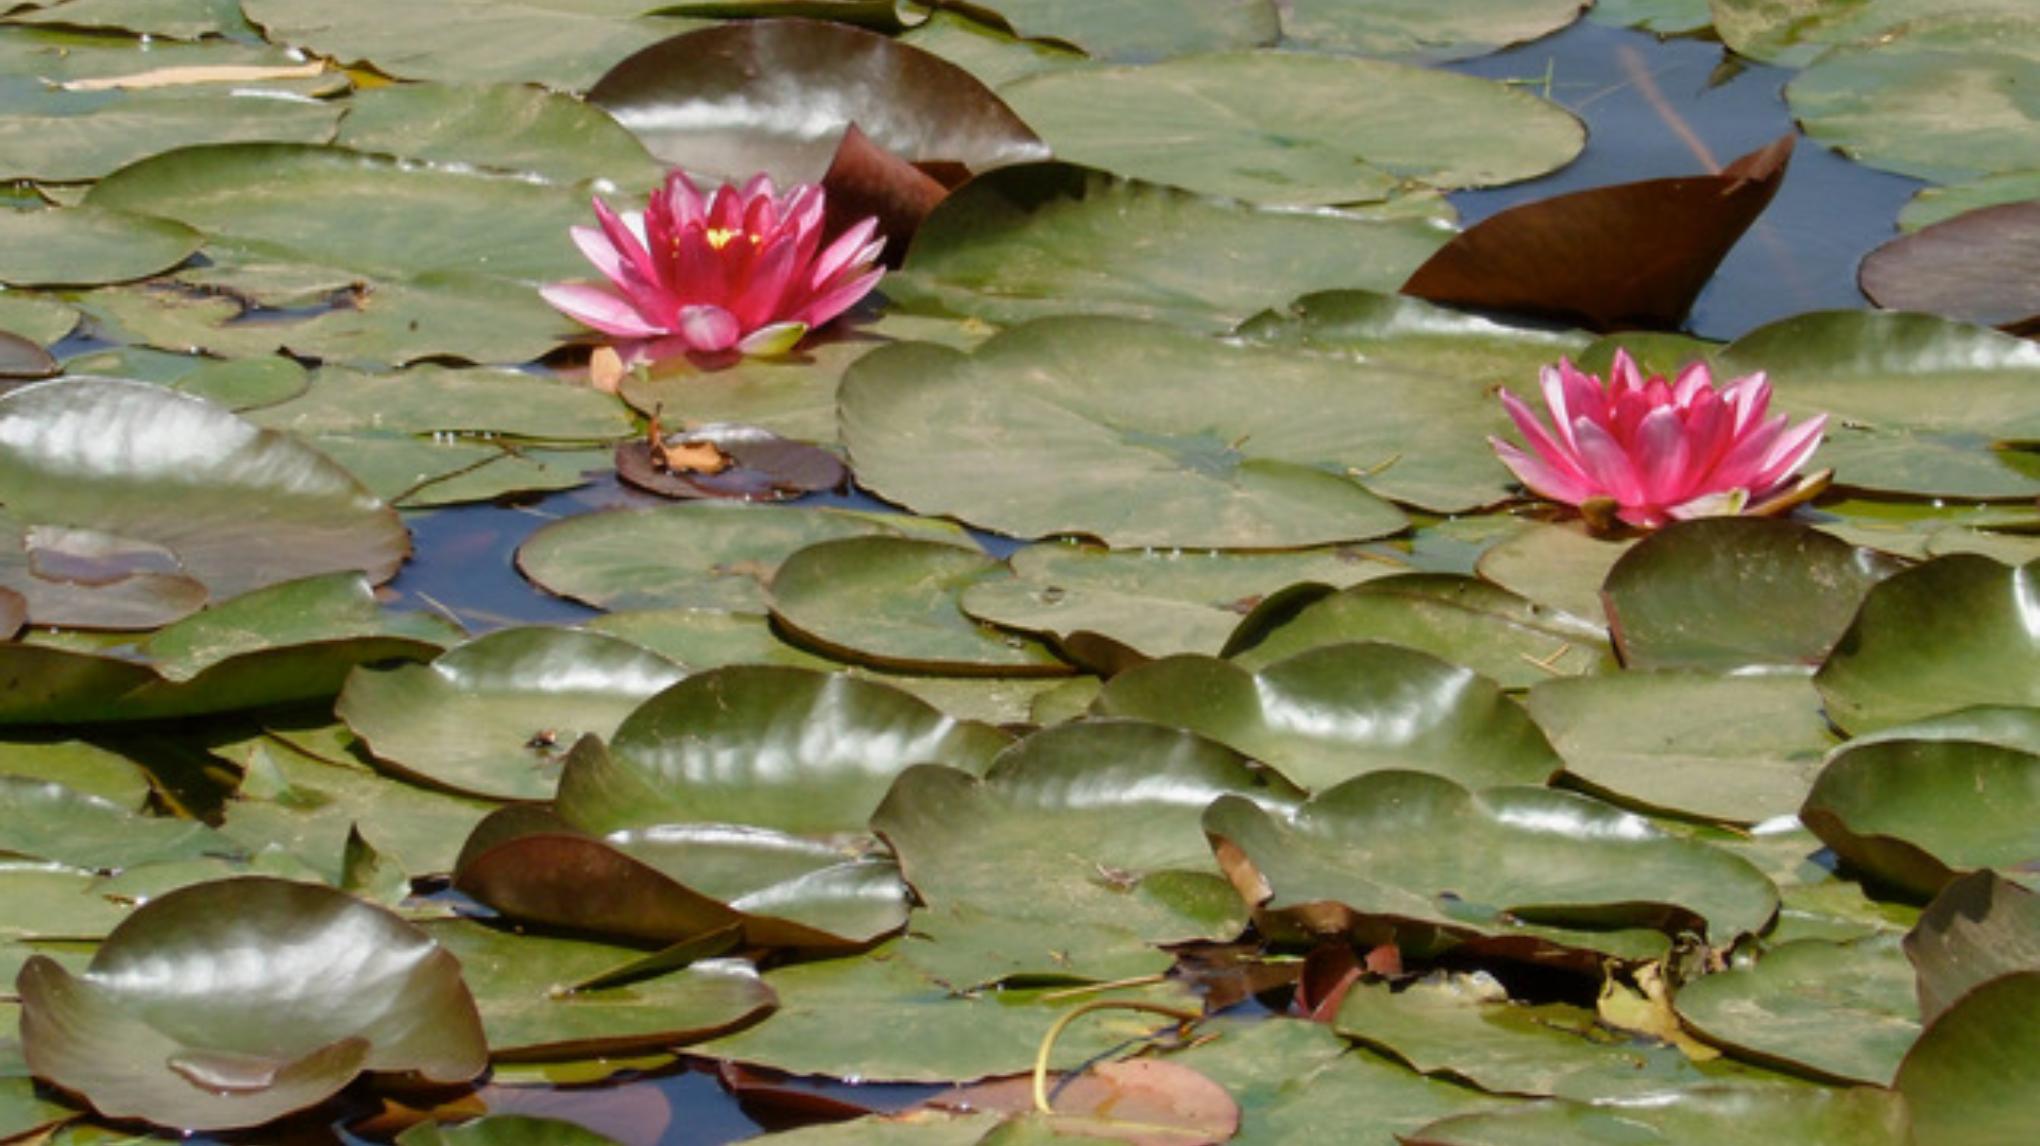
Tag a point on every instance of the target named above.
point(1609, 258)
point(867, 180)
point(1981, 266)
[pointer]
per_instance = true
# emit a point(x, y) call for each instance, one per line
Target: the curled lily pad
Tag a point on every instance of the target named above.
point(1510, 640)
point(517, 982)
point(170, 1022)
point(1969, 1080)
point(1916, 805)
point(496, 716)
point(1335, 712)
point(743, 97)
point(894, 602)
point(1730, 592)
point(1417, 29)
point(1839, 1011)
point(1416, 859)
point(1957, 631)
point(681, 883)
point(236, 507)
point(1860, 1116)
point(1098, 819)
point(1738, 748)
point(1980, 926)
point(784, 748)
point(291, 642)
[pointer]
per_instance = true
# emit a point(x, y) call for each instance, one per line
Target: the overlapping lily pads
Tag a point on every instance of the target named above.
point(1339, 711)
point(1252, 125)
point(1861, 1116)
point(1026, 437)
point(82, 245)
point(172, 1024)
point(1417, 860)
point(1044, 239)
point(1840, 1011)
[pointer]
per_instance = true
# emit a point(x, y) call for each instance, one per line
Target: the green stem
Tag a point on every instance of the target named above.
point(1182, 1016)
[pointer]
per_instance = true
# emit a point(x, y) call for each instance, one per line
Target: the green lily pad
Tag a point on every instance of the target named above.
point(1043, 239)
point(1332, 713)
point(52, 134)
point(37, 318)
point(82, 246)
point(239, 384)
point(1814, 901)
point(1969, 1080)
point(1840, 1011)
point(236, 508)
point(1416, 859)
point(1501, 636)
point(1417, 29)
point(179, 20)
point(511, 128)
point(435, 399)
point(828, 1009)
point(1252, 125)
point(681, 883)
point(505, 1130)
point(1737, 748)
point(1731, 592)
point(1139, 434)
point(894, 602)
point(1981, 926)
point(79, 765)
point(1098, 820)
point(1943, 112)
point(564, 46)
point(1458, 1027)
point(1141, 30)
point(993, 55)
point(1957, 631)
point(290, 642)
point(1917, 805)
point(47, 820)
point(783, 748)
point(1795, 33)
point(708, 638)
point(517, 982)
point(171, 1022)
point(495, 716)
point(774, 96)
point(1113, 609)
point(703, 556)
point(308, 807)
point(1860, 1116)
point(52, 901)
point(1936, 204)
point(1916, 404)
point(1562, 566)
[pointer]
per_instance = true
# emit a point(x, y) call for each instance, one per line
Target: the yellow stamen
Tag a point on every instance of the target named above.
point(719, 237)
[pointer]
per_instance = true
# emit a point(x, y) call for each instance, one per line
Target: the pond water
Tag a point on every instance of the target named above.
point(1653, 108)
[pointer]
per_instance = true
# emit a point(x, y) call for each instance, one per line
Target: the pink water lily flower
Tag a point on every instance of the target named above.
point(1653, 450)
point(742, 269)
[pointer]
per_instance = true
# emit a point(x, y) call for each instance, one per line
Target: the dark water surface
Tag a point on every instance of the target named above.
point(1653, 109)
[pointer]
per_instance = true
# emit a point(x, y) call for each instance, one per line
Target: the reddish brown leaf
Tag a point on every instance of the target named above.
point(778, 1103)
point(725, 460)
point(1329, 971)
point(20, 358)
point(866, 180)
point(1981, 266)
point(1143, 1101)
point(1609, 258)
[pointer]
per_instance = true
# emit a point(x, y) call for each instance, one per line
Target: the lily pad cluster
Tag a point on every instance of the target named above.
point(1197, 649)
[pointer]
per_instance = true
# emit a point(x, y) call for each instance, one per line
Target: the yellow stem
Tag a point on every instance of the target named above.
point(1182, 1016)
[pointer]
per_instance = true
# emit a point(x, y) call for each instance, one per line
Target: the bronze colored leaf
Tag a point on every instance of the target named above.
point(1609, 258)
point(866, 180)
point(1981, 266)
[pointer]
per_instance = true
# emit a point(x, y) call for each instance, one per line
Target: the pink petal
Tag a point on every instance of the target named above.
point(1787, 455)
point(1554, 455)
point(1749, 397)
point(1745, 458)
point(756, 299)
point(683, 200)
point(707, 328)
point(1540, 478)
point(597, 249)
point(599, 308)
point(1693, 381)
point(626, 242)
point(842, 253)
point(1623, 374)
point(696, 272)
point(1663, 456)
point(836, 301)
point(1605, 463)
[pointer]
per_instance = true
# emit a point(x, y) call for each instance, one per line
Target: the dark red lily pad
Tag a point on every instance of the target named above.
point(866, 180)
point(744, 97)
point(727, 460)
point(20, 358)
point(1981, 266)
point(1610, 258)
